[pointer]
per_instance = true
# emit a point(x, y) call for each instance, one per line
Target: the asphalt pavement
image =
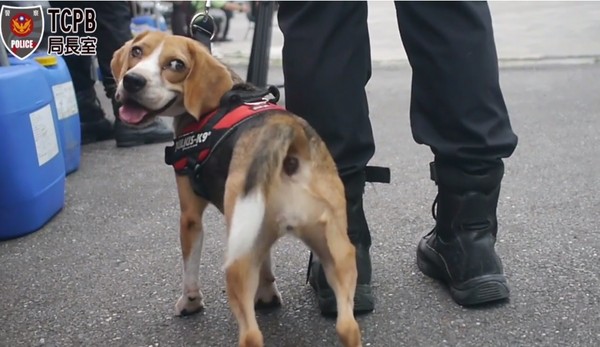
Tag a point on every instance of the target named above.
point(106, 271)
point(526, 32)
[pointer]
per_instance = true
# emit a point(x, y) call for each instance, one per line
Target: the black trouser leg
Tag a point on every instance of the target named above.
point(180, 18)
point(228, 16)
point(80, 67)
point(326, 65)
point(457, 107)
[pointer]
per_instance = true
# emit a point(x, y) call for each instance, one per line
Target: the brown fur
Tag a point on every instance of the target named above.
point(307, 202)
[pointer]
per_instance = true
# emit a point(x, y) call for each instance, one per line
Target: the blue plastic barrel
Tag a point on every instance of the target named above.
point(64, 105)
point(32, 170)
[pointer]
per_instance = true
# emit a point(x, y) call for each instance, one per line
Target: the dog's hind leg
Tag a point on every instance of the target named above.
point(242, 277)
point(247, 248)
point(331, 244)
point(191, 237)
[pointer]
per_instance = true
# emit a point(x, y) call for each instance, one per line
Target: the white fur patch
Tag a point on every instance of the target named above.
point(149, 67)
point(246, 225)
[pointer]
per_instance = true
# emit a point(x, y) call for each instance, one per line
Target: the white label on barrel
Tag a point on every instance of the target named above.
point(64, 97)
point(44, 134)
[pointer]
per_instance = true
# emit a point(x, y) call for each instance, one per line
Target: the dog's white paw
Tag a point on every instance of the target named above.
point(267, 296)
point(189, 304)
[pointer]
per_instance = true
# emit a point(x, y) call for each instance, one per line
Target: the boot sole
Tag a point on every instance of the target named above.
point(93, 139)
point(141, 140)
point(476, 291)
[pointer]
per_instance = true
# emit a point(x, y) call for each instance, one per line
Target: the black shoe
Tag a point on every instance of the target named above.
point(155, 132)
point(358, 231)
point(94, 125)
point(459, 251)
point(95, 131)
point(127, 136)
point(364, 302)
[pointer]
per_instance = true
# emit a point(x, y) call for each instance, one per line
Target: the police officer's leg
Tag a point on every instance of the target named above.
point(180, 18)
point(113, 20)
point(457, 109)
point(326, 64)
point(113, 29)
point(94, 125)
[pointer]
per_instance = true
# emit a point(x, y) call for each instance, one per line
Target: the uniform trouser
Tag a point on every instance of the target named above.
point(113, 19)
point(457, 107)
point(181, 17)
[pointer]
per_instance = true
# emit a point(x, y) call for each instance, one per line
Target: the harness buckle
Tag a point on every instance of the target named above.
point(377, 174)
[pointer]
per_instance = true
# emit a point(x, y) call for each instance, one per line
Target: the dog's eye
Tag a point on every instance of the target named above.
point(176, 65)
point(136, 52)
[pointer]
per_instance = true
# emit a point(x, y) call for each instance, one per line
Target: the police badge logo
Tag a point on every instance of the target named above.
point(22, 29)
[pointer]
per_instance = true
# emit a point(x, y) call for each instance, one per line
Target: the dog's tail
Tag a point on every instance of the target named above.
point(282, 148)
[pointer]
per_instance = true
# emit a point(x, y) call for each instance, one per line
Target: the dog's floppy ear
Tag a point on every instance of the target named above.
point(118, 64)
point(206, 82)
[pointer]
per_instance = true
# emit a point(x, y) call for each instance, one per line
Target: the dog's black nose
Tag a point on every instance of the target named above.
point(133, 82)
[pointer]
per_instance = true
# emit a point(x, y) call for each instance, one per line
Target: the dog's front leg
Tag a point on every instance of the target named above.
point(267, 295)
point(191, 238)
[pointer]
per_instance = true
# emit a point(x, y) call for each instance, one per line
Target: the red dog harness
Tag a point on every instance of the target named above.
point(202, 140)
point(193, 148)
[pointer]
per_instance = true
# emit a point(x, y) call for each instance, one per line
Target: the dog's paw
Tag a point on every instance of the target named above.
point(251, 338)
point(267, 297)
point(189, 304)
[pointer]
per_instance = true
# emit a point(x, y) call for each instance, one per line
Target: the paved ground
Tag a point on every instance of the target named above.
point(525, 31)
point(106, 270)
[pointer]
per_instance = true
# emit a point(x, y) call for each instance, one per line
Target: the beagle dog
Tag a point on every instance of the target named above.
point(271, 176)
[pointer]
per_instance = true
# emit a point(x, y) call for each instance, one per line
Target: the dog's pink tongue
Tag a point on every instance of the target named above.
point(132, 114)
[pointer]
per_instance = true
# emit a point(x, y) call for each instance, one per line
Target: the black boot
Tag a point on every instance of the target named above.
point(94, 125)
point(460, 249)
point(127, 136)
point(359, 234)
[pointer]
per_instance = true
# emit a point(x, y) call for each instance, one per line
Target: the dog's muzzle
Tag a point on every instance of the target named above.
point(134, 113)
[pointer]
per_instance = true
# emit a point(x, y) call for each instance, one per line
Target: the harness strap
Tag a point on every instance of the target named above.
point(203, 135)
point(199, 140)
point(196, 169)
point(236, 97)
point(378, 174)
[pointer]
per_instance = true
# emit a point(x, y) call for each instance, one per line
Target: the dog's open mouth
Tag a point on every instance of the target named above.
point(135, 113)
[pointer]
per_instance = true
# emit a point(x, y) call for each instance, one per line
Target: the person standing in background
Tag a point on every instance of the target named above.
point(113, 19)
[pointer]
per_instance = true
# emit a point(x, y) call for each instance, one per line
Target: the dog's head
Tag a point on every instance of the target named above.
point(158, 74)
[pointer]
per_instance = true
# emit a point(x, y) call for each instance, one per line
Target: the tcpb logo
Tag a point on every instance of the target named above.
point(22, 29)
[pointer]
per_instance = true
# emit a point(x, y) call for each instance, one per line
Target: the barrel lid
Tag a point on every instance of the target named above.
point(47, 60)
